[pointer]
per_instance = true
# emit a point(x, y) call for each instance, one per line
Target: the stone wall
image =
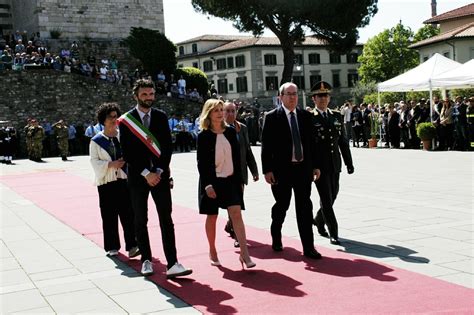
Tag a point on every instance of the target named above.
point(53, 95)
point(97, 19)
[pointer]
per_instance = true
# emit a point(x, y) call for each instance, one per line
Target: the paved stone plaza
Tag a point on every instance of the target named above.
point(408, 209)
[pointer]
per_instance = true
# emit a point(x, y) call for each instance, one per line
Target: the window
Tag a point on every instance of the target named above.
point(230, 62)
point(314, 59)
point(352, 78)
point(220, 64)
point(241, 84)
point(231, 87)
point(195, 65)
point(240, 61)
point(299, 81)
point(271, 83)
point(195, 48)
point(313, 79)
point(222, 86)
point(299, 59)
point(181, 50)
point(446, 54)
point(352, 57)
point(207, 65)
point(270, 59)
point(336, 81)
point(334, 58)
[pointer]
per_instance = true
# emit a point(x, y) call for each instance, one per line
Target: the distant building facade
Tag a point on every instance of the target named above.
point(244, 67)
point(77, 19)
point(456, 38)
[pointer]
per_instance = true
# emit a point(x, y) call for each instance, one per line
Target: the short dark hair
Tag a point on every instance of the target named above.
point(142, 83)
point(105, 109)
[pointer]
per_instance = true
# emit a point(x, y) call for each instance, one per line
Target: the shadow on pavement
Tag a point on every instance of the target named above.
point(381, 251)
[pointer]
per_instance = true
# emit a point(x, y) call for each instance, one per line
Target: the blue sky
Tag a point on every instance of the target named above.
point(182, 22)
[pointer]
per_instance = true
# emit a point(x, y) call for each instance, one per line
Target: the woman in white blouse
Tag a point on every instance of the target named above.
point(111, 181)
point(220, 178)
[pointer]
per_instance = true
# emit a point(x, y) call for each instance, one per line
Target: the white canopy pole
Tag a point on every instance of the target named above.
point(431, 101)
point(380, 116)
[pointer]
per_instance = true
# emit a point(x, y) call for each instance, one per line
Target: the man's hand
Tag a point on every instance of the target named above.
point(270, 178)
point(211, 193)
point(350, 169)
point(153, 179)
point(316, 174)
point(117, 163)
point(255, 178)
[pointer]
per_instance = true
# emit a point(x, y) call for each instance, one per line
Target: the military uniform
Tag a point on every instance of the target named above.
point(61, 133)
point(36, 135)
point(331, 142)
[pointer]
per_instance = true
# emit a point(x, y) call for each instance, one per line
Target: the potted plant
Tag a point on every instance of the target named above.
point(426, 132)
point(374, 120)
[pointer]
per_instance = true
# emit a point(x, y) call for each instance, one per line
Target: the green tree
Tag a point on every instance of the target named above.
point(387, 55)
point(153, 49)
point(195, 78)
point(335, 21)
point(427, 31)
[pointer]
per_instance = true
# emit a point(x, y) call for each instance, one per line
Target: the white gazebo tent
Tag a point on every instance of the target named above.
point(460, 77)
point(419, 78)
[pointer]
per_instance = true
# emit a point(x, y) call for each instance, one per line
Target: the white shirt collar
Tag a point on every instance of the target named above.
point(287, 111)
point(321, 111)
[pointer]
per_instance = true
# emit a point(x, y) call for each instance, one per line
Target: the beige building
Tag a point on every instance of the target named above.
point(456, 38)
point(244, 67)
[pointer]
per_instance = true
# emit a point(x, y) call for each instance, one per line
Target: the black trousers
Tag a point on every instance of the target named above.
point(161, 194)
point(282, 191)
point(328, 188)
point(114, 203)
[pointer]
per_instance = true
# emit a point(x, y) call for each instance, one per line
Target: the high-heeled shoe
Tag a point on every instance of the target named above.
point(215, 263)
point(249, 264)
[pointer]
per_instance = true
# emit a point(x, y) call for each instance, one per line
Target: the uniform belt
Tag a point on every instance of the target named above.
point(296, 163)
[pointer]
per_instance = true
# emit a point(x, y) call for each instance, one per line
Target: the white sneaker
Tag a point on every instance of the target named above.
point(178, 270)
point(147, 268)
point(133, 252)
point(112, 252)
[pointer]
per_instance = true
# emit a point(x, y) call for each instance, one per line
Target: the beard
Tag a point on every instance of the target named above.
point(145, 104)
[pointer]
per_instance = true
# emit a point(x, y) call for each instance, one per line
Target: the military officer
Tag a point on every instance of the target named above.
point(61, 133)
point(331, 142)
point(470, 121)
point(36, 134)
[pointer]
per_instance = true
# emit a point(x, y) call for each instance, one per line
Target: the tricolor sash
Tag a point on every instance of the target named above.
point(143, 133)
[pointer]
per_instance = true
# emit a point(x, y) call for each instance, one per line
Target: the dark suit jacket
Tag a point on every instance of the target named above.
point(277, 143)
point(330, 139)
point(246, 156)
point(206, 161)
point(136, 153)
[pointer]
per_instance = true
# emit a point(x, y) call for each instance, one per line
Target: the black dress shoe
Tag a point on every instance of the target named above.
point(334, 241)
point(323, 233)
point(313, 254)
point(277, 247)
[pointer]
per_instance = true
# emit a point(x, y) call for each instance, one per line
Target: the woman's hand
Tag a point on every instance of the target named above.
point(210, 192)
point(117, 163)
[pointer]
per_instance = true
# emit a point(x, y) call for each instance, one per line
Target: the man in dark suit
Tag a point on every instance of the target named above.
point(330, 143)
point(147, 149)
point(290, 164)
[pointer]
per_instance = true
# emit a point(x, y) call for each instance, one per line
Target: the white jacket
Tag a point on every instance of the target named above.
point(100, 163)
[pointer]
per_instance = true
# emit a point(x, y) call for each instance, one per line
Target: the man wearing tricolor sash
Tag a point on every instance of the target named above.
point(147, 149)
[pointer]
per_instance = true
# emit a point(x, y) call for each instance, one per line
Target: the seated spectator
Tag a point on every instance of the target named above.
point(66, 65)
point(19, 47)
point(119, 78)
point(65, 53)
point(42, 50)
point(75, 51)
point(113, 64)
point(103, 72)
point(6, 60)
point(30, 48)
point(86, 69)
point(48, 60)
point(58, 64)
point(110, 77)
point(18, 62)
point(194, 95)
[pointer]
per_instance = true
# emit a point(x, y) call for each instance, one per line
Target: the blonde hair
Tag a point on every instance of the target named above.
point(204, 118)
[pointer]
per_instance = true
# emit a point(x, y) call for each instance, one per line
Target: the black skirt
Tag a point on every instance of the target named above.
point(229, 193)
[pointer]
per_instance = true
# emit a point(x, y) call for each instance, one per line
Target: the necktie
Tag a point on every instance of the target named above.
point(296, 137)
point(325, 115)
point(146, 120)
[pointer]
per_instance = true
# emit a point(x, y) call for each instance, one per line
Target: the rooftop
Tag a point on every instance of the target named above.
point(466, 10)
point(464, 31)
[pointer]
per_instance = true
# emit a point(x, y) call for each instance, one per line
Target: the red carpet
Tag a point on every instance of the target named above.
point(282, 283)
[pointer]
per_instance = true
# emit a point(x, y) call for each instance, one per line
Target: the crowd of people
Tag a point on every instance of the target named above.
point(396, 123)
